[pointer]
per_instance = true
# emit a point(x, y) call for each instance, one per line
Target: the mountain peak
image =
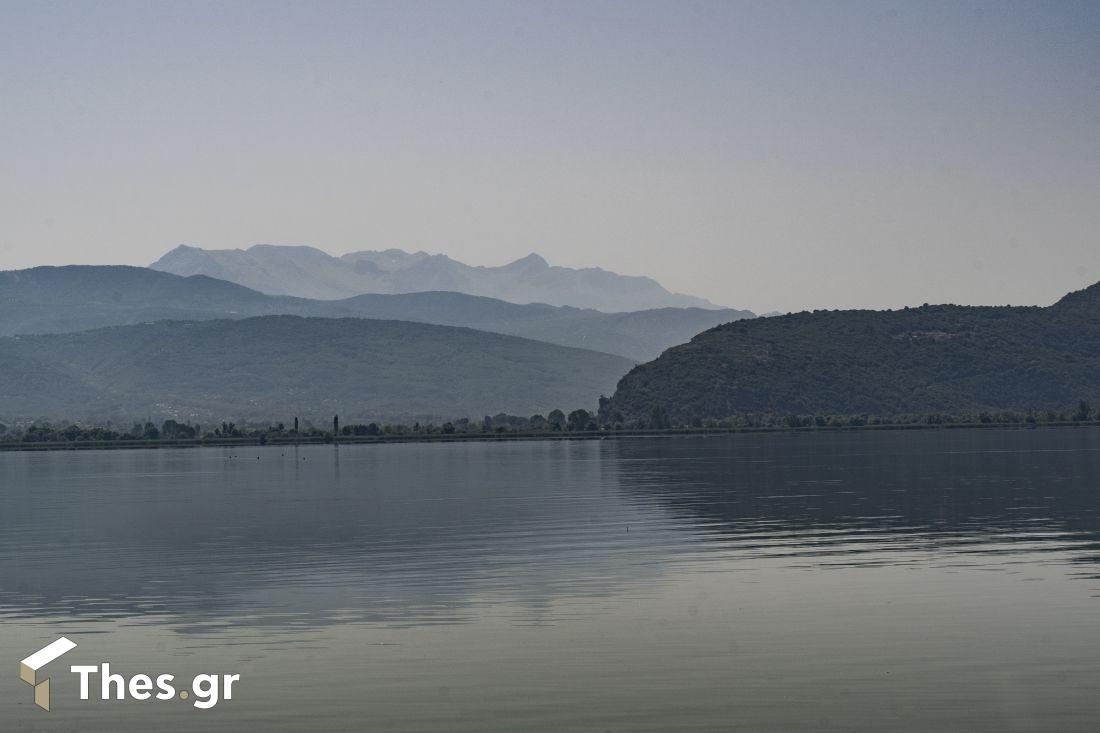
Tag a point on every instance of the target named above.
point(183, 250)
point(311, 273)
point(533, 261)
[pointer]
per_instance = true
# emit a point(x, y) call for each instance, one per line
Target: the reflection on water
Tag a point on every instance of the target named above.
point(862, 498)
point(907, 579)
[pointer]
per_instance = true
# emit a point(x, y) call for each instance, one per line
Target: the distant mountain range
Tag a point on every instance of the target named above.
point(78, 297)
point(944, 358)
point(310, 273)
point(276, 367)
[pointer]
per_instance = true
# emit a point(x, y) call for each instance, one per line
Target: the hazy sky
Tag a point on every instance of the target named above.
point(765, 155)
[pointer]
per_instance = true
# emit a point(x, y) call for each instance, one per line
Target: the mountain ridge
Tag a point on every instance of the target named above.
point(304, 271)
point(275, 367)
point(81, 297)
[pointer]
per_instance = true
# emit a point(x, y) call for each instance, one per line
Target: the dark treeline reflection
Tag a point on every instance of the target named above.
point(846, 494)
point(420, 534)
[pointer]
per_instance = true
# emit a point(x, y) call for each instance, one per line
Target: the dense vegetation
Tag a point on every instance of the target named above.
point(556, 421)
point(917, 361)
point(578, 423)
point(255, 368)
point(78, 298)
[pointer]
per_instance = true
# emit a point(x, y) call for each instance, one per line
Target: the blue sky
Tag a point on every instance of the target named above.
point(764, 155)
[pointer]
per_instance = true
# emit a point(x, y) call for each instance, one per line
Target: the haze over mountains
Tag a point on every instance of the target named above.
point(276, 367)
point(76, 298)
point(93, 343)
point(310, 273)
point(944, 358)
point(220, 350)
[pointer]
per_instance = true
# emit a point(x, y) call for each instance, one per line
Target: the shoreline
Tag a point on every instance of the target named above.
point(12, 447)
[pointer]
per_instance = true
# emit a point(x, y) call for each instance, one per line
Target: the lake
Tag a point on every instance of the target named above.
point(916, 580)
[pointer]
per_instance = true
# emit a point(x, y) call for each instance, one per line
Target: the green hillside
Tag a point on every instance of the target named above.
point(78, 298)
point(943, 358)
point(278, 366)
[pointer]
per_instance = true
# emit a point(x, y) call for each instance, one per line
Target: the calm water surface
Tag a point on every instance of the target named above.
point(913, 581)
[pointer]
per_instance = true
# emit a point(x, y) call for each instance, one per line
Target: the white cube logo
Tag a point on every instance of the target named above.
point(31, 669)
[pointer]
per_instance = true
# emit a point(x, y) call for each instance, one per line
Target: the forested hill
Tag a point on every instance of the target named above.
point(275, 367)
point(82, 297)
point(942, 358)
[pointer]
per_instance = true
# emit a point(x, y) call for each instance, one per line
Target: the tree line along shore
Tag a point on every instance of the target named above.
point(578, 424)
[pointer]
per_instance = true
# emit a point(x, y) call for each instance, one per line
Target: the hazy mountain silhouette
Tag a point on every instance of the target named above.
point(310, 273)
point(77, 298)
point(277, 366)
point(943, 358)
